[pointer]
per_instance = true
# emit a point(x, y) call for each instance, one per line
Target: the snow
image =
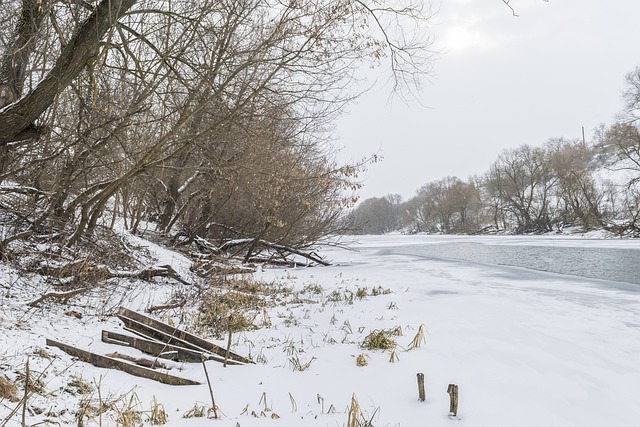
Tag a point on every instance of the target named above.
point(525, 348)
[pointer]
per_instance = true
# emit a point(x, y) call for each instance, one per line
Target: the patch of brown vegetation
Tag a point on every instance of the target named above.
point(8, 390)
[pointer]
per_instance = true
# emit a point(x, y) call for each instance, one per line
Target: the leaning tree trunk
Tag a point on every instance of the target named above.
point(17, 119)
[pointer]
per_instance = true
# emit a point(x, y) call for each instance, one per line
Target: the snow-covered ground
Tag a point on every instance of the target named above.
point(533, 349)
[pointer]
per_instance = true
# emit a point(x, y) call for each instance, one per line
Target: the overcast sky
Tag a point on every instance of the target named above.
point(501, 82)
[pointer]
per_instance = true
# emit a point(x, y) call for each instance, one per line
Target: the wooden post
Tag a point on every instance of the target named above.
point(26, 392)
point(213, 401)
point(453, 397)
point(226, 355)
point(421, 393)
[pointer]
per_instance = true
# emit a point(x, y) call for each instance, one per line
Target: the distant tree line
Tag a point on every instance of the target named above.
point(530, 189)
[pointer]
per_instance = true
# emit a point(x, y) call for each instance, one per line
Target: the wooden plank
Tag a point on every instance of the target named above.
point(178, 336)
point(166, 333)
point(141, 361)
point(149, 332)
point(158, 349)
point(110, 363)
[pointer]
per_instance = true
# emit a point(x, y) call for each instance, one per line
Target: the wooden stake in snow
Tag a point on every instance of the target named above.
point(26, 392)
point(226, 355)
point(213, 401)
point(453, 397)
point(421, 393)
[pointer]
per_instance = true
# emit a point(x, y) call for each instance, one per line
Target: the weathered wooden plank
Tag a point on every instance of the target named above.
point(159, 349)
point(149, 332)
point(142, 361)
point(110, 363)
point(174, 335)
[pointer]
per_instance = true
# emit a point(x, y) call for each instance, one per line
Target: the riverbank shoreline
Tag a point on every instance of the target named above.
point(524, 350)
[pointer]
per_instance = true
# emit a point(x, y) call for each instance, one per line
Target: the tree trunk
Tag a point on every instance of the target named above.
point(17, 120)
point(16, 57)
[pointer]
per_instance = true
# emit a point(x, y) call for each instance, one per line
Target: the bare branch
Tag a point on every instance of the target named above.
point(508, 3)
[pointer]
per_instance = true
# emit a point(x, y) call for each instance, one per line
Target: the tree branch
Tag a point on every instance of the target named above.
point(507, 2)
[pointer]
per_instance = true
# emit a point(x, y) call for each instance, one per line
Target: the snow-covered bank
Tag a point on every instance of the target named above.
point(533, 349)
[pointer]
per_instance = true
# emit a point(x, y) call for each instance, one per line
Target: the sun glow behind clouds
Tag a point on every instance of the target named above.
point(468, 26)
point(463, 38)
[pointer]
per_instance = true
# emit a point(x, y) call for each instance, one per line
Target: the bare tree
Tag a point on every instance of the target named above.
point(449, 205)
point(164, 110)
point(522, 179)
point(577, 192)
point(376, 215)
point(622, 142)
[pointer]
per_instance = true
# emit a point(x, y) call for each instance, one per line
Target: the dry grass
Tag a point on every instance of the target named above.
point(313, 289)
point(86, 411)
point(362, 293)
point(198, 412)
point(123, 411)
point(418, 340)
point(335, 297)
point(77, 385)
point(381, 339)
point(361, 360)
point(299, 366)
point(396, 332)
point(228, 311)
point(129, 418)
point(237, 304)
point(41, 352)
point(36, 385)
point(157, 415)
point(356, 417)
point(354, 413)
point(8, 390)
point(294, 404)
point(380, 291)
point(266, 320)
point(128, 414)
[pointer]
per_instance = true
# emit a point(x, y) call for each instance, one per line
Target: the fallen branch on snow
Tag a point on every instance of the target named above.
point(83, 268)
point(64, 296)
point(281, 249)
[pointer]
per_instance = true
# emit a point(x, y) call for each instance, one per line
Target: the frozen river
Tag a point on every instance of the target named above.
point(605, 259)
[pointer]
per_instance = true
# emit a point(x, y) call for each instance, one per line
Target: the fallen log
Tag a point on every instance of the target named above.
point(162, 307)
point(85, 268)
point(75, 268)
point(110, 363)
point(272, 261)
point(162, 350)
point(311, 256)
point(64, 296)
point(152, 328)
